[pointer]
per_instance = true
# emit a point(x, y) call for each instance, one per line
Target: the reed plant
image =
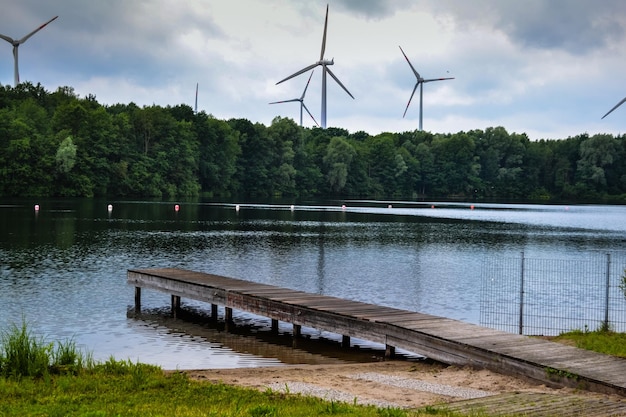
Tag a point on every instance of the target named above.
point(22, 354)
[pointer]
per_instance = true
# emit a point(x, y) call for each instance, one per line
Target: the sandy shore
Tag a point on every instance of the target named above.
point(388, 383)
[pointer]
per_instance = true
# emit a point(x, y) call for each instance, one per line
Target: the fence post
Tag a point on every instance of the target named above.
point(605, 325)
point(521, 298)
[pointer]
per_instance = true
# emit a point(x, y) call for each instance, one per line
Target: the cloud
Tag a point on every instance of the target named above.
point(577, 26)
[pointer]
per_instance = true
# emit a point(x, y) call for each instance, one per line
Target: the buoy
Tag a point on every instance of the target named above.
point(237, 207)
point(176, 207)
point(389, 206)
point(472, 207)
point(433, 206)
point(292, 207)
point(110, 207)
point(343, 206)
point(36, 207)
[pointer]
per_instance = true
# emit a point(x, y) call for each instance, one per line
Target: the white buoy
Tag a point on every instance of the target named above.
point(389, 206)
point(110, 207)
point(237, 207)
point(343, 206)
point(292, 207)
point(36, 207)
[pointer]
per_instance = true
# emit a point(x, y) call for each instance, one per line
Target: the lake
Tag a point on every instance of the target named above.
point(63, 267)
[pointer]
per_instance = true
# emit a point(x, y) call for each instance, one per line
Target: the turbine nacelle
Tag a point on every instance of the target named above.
point(326, 62)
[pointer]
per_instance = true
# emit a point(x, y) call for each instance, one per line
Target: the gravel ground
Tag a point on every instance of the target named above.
point(296, 387)
point(419, 385)
point(397, 384)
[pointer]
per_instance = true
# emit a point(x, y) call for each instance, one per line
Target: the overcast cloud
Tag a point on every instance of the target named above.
point(547, 68)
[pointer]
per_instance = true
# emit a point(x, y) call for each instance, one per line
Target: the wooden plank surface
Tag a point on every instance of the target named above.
point(439, 338)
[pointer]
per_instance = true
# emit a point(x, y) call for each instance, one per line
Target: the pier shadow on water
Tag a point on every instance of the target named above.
point(254, 343)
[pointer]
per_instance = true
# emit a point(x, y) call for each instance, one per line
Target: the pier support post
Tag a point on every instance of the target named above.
point(137, 299)
point(228, 314)
point(297, 333)
point(175, 305)
point(274, 326)
point(345, 342)
point(214, 312)
point(390, 352)
point(228, 317)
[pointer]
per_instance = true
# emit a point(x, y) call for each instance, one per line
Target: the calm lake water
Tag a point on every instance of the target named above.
point(63, 268)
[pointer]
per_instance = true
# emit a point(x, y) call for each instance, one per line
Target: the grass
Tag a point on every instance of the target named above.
point(122, 388)
point(602, 340)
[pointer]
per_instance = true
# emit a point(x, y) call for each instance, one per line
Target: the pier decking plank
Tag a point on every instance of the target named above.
point(442, 339)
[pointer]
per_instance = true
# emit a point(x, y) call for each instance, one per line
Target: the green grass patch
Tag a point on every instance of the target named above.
point(603, 341)
point(132, 389)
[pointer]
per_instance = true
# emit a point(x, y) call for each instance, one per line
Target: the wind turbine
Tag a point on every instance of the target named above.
point(324, 63)
point(17, 42)
point(301, 100)
point(420, 82)
point(616, 106)
point(195, 111)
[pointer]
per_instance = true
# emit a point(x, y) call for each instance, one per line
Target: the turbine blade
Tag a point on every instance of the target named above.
point(36, 30)
point(437, 79)
point(410, 98)
point(411, 65)
point(306, 86)
point(285, 101)
point(324, 37)
point(302, 71)
point(307, 110)
point(614, 107)
point(339, 82)
point(7, 38)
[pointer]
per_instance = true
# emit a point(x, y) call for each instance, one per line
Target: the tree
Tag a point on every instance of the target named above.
point(282, 134)
point(596, 153)
point(456, 165)
point(255, 161)
point(66, 155)
point(218, 152)
point(339, 155)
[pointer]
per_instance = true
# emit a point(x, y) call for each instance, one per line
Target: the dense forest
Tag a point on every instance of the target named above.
point(59, 144)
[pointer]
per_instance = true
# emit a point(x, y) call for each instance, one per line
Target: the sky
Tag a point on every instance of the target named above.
point(547, 68)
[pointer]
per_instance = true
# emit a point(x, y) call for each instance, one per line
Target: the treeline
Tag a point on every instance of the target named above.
point(59, 144)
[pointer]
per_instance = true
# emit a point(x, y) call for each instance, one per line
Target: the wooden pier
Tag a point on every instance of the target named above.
point(441, 339)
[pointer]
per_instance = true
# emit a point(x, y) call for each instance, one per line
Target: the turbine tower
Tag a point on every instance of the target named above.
point(614, 107)
point(301, 100)
point(324, 63)
point(420, 82)
point(16, 43)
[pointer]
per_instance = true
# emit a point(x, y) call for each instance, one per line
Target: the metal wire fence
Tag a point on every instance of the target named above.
point(536, 296)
